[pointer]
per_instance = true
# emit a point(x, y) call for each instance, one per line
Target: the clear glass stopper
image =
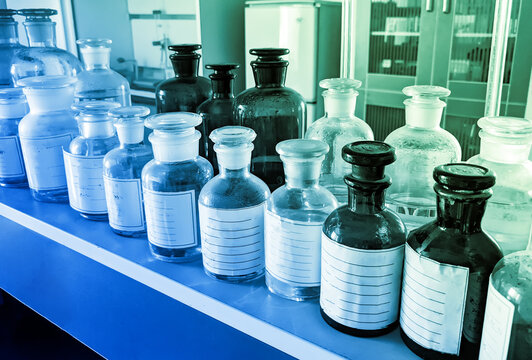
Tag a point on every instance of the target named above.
point(341, 85)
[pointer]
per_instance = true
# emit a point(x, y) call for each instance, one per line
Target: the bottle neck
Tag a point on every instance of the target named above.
point(497, 149)
point(13, 110)
point(234, 173)
point(222, 89)
point(423, 116)
point(131, 133)
point(40, 34)
point(302, 174)
point(96, 129)
point(269, 77)
point(366, 200)
point(96, 58)
point(339, 105)
point(48, 100)
point(185, 66)
point(461, 211)
point(8, 33)
point(172, 147)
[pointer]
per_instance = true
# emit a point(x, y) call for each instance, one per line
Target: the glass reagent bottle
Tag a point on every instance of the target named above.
point(9, 44)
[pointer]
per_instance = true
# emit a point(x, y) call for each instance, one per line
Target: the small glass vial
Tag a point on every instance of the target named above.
point(363, 248)
point(507, 331)
point(337, 128)
point(294, 219)
point(420, 146)
point(98, 81)
point(447, 267)
point(13, 107)
point(218, 110)
point(231, 208)
point(84, 158)
point(9, 45)
point(44, 132)
point(122, 170)
point(504, 148)
point(171, 184)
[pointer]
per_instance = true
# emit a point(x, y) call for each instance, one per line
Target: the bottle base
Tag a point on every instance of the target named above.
point(357, 332)
point(14, 183)
point(94, 217)
point(175, 255)
point(235, 279)
point(423, 352)
point(290, 292)
point(51, 196)
point(131, 234)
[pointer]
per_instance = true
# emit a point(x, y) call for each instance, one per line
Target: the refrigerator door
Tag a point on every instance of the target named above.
point(286, 26)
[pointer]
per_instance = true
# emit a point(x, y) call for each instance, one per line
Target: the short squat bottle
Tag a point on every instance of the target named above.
point(8, 45)
point(363, 248)
point(447, 267)
point(13, 107)
point(186, 90)
point(218, 110)
point(273, 111)
point(171, 184)
point(231, 208)
point(337, 128)
point(293, 222)
point(122, 169)
point(504, 148)
point(84, 158)
point(420, 145)
point(98, 81)
point(508, 322)
point(44, 132)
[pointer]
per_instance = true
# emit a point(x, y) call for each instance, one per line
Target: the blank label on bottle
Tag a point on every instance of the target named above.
point(293, 250)
point(360, 288)
point(45, 166)
point(124, 204)
point(86, 192)
point(497, 326)
point(11, 163)
point(433, 302)
point(171, 218)
point(232, 240)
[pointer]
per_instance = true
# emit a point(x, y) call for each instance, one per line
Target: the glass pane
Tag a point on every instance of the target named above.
point(394, 36)
point(383, 120)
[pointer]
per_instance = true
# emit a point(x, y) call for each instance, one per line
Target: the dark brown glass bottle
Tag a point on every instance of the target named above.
point(447, 267)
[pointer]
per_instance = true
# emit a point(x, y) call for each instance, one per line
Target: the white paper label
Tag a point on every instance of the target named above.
point(171, 218)
point(360, 288)
point(232, 240)
point(433, 302)
point(45, 166)
point(293, 250)
point(11, 163)
point(86, 191)
point(497, 326)
point(124, 204)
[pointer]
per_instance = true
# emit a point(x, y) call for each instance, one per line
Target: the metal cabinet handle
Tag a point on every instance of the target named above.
point(446, 6)
point(429, 5)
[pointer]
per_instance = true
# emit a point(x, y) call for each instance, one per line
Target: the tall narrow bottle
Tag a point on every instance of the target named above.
point(420, 145)
point(122, 169)
point(338, 128)
point(98, 81)
point(293, 222)
point(171, 184)
point(447, 267)
point(363, 248)
point(504, 148)
point(273, 111)
point(231, 208)
point(84, 158)
point(44, 132)
point(9, 44)
point(218, 110)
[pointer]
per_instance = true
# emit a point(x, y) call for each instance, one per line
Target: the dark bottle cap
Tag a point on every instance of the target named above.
point(462, 176)
point(185, 50)
point(37, 14)
point(222, 71)
point(368, 159)
point(269, 56)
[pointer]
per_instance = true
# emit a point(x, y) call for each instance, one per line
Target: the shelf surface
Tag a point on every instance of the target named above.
point(294, 328)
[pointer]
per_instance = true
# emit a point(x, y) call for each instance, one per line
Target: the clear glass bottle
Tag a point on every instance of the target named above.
point(294, 219)
point(98, 81)
point(171, 184)
point(186, 91)
point(231, 209)
point(273, 111)
point(122, 170)
point(507, 331)
point(218, 110)
point(8, 45)
point(42, 57)
point(447, 267)
point(337, 128)
point(44, 132)
point(13, 108)
point(84, 158)
point(420, 145)
point(363, 248)
point(504, 148)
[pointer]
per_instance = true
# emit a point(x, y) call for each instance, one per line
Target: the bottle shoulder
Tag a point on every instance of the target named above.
point(38, 61)
point(407, 137)
point(266, 95)
point(100, 78)
point(309, 204)
point(234, 192)
point(50, 123)
point(92, 147)
point(512, 277)
point(198, 82)
point(163, 176)
point(216, 106)
point(326, 128)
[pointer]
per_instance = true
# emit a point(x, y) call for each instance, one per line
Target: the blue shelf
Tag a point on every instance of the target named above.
point(115, 266)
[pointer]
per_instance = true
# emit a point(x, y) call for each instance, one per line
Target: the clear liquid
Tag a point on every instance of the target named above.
point(414, 211)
